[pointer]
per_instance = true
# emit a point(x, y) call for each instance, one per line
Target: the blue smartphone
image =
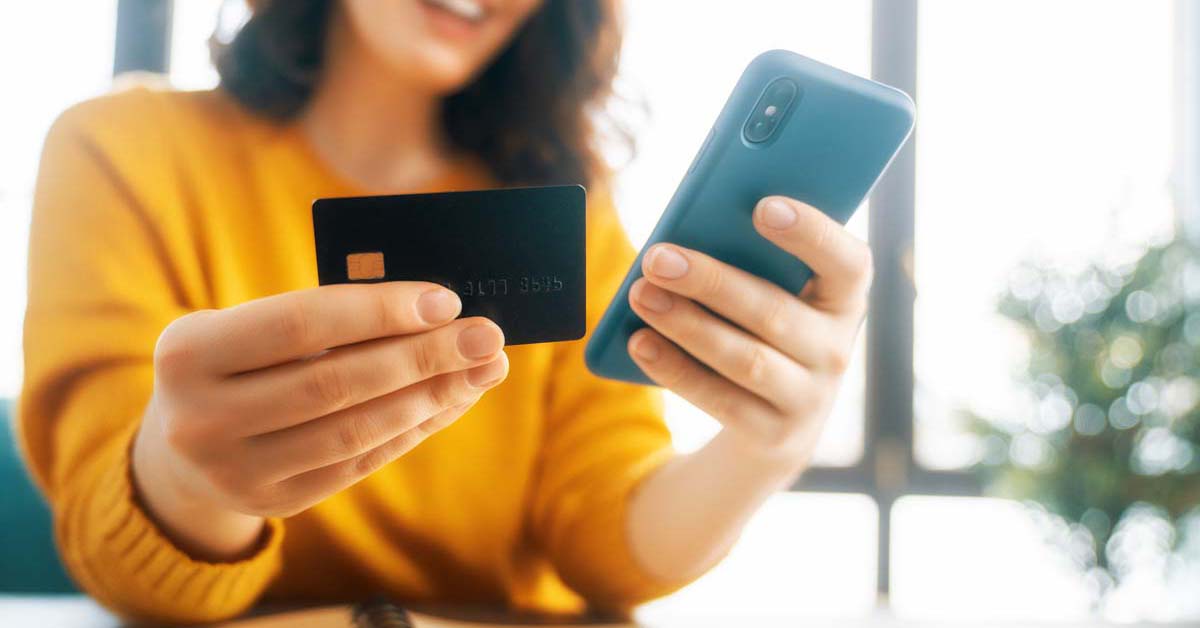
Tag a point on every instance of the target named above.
point(792, 127)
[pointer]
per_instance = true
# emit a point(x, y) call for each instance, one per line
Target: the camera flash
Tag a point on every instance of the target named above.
point(771, 110)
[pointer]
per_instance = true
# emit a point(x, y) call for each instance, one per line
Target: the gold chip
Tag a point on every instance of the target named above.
point(364, 265)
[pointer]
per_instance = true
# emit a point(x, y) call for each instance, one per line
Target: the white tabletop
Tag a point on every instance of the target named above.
point(77, 611)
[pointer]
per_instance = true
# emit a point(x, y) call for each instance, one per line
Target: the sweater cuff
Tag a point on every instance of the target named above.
point(126, 561)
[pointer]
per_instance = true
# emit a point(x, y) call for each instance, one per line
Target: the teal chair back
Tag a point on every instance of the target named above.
point(29, 561)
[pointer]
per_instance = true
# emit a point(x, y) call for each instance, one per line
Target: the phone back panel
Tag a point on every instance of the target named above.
point(838, 137)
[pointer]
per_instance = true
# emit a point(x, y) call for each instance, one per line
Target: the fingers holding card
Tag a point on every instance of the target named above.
point(515, 256)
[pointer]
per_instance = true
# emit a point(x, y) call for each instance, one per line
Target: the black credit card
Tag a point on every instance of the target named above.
point(515, 256)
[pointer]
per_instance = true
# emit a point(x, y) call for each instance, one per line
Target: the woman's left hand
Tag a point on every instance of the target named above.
point(770, 369)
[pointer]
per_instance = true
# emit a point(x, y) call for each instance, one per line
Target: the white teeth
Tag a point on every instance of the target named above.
point(467, 9)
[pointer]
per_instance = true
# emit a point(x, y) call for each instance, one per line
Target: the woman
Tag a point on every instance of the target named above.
point(213, 430)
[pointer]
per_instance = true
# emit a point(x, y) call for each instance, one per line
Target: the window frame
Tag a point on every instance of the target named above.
point(143, 40)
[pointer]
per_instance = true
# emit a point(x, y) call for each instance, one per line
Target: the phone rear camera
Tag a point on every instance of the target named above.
point(774, 103)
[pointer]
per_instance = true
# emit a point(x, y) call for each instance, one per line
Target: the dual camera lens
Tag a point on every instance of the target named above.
point(776, 100)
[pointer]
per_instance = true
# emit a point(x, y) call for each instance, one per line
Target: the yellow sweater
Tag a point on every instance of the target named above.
point(150, 204)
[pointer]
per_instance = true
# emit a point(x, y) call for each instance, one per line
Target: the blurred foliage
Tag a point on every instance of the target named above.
point(1110, 425)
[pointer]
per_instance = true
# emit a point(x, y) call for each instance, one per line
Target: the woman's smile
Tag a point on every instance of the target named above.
point(455, 18)
point(470, 10)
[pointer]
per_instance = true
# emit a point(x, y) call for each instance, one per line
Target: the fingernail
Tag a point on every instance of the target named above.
point(437, 306)
point(486, 375)
point(479, 341)
point(776, 214)
point(645, 348)
point(652, 297)
point(668, 263)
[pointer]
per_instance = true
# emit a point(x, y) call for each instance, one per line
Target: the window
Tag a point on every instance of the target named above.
point(1046, 133)
point(802, 554)
point(957, 558)
point(1082, 121)
point(34, 94)
point(193, 26)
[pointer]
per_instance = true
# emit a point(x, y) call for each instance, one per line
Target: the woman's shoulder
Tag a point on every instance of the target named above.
point(143, 115)
point(159, 142)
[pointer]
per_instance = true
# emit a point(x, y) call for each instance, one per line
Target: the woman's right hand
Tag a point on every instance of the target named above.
point(268, 407)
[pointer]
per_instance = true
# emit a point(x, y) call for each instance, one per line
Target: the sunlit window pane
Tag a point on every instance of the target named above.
point(42, 76)
point(684, 99)
point(956, 558)
point(1045, 134)
point(962, 558)
point(195, 23)
point(803, 554)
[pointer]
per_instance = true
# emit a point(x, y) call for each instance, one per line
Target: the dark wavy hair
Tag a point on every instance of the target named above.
point(534, 115)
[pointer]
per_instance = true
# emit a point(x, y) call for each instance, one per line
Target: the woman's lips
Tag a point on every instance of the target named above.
point(471, 10)
point(455, 17)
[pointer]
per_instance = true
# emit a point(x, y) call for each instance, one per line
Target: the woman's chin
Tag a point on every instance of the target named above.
point(442, 74)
